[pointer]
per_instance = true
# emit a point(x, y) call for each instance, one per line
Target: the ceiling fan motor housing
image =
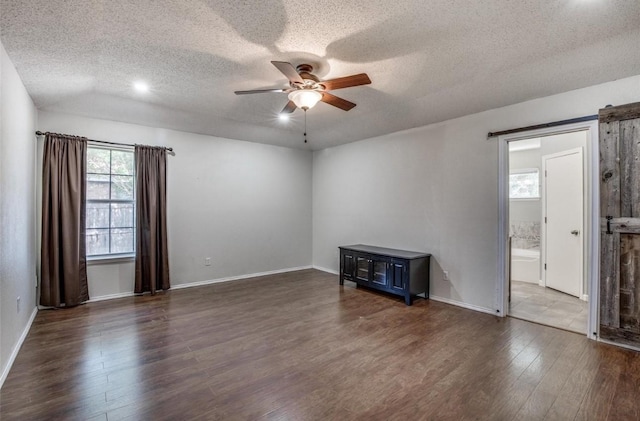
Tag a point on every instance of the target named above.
point(304, 70)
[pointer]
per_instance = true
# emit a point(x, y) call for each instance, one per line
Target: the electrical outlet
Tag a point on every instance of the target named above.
point(445, 275)
point(18, 304)
point(207, 261)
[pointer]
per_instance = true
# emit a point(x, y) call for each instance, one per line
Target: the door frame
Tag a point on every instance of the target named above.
point(592, 217)
point(543, 230)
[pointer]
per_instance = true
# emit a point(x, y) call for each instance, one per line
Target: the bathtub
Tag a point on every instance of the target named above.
point(525, 265)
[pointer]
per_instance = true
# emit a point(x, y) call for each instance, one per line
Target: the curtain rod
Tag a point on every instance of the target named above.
point(544, 126)
point(39, 133)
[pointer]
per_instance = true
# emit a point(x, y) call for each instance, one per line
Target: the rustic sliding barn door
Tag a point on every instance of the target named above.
point(620, 224)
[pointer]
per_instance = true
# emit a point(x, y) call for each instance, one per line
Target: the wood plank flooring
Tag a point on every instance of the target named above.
point(297, 346)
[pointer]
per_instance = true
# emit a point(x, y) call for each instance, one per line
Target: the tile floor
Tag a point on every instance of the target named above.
point(547, 306)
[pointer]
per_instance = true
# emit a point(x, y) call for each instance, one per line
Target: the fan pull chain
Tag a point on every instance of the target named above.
point(305, 126)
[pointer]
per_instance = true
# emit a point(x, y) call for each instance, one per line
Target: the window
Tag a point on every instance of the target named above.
point(110, 201)
point(524, 184)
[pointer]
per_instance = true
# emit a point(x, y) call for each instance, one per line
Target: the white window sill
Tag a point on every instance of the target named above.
point(114, 258)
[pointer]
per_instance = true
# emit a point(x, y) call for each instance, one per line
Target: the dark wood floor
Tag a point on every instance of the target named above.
point(299, 347)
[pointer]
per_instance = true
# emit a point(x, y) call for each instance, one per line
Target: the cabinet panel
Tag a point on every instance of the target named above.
point(380, 272)
point(397, 274)
point(363, 268)
point(348, 266)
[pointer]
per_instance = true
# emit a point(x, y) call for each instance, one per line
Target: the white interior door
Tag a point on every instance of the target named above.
point(563, 213)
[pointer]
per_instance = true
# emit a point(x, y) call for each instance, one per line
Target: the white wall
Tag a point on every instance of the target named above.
point(563, 142)
point(434, 189)
point(17, 192)
point(245, 205)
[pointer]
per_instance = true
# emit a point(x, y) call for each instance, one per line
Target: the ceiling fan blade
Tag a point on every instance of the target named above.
point(288, 70)
point(343, 104)
point(259, 91)
point(346, 82)
point(289, 108)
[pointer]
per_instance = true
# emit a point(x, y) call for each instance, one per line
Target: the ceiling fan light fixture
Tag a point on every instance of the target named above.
point(305, 98)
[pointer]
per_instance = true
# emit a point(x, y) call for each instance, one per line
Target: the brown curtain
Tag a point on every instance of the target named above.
point(63, 250)
point(152, 257)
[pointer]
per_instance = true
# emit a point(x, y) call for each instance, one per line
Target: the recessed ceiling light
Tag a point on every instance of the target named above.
point(283, 117)
point(141, 86)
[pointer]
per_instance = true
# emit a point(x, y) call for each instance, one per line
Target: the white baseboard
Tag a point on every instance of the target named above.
point(527, 281)
point(201, 283)
point(464, 305)
point(236, 278)
point(14, 353)
point(110, 296)
point(334, 272)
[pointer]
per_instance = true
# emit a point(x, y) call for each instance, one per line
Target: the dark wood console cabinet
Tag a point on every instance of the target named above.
point(399, 272)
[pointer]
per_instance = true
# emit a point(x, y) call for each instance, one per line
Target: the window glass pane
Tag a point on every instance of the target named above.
point(110, 177)
point(98, 160)
point(122, 162)
point(97, 215)
point(524, 185)
point(122, 187)
point(121, 215)
point(97, 187)
point(122, 240)
point(97, 241)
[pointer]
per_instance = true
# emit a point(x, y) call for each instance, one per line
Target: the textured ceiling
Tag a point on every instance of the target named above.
point(428, 61)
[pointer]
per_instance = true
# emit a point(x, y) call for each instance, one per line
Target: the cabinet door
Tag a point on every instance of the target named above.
point(397, 274)
point(363, 268)
point(348, 265)
point(380, 273)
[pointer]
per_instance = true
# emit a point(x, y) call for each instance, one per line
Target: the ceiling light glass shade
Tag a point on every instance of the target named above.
point(305, 98)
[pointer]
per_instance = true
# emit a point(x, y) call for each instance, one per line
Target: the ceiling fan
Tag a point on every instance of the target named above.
point(305, 89)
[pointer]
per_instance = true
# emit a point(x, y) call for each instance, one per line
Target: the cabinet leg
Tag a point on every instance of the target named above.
point(408, 299)
point(341, 281)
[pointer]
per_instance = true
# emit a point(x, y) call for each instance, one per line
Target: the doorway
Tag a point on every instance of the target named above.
point(546, 273)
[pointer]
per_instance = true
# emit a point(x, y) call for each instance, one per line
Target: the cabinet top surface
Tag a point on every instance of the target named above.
point(402, 254)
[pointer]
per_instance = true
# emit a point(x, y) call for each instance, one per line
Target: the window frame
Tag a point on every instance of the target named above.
point(525, 171)
point(113, 256)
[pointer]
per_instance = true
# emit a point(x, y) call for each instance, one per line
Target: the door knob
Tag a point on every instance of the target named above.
point(575, 232)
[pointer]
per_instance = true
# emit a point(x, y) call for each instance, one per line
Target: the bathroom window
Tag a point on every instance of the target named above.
point(524, 184)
